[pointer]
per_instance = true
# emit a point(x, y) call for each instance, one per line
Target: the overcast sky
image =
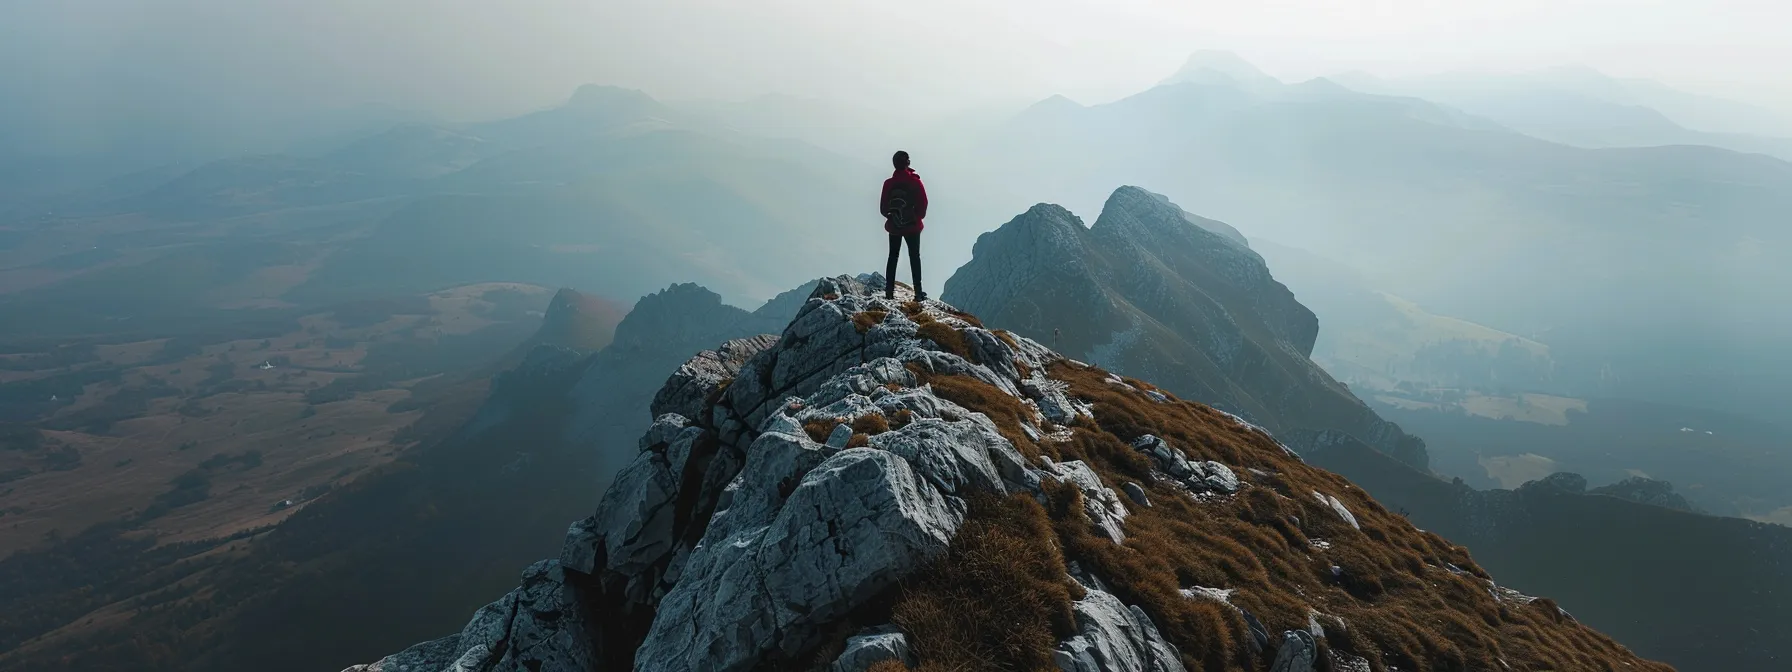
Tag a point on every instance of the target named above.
point(69, 62)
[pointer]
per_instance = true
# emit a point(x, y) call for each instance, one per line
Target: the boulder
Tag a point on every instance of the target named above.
point(872, 647)
point(1114, 637)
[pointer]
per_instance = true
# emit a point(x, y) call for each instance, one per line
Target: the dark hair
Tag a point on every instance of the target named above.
point(900, 160)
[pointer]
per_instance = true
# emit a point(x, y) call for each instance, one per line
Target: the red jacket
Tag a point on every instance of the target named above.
point(908, 176)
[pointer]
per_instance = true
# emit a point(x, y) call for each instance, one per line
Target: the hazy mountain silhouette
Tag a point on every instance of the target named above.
point(1584, 108)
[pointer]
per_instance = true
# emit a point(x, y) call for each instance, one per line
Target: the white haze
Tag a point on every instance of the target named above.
point(82, 76)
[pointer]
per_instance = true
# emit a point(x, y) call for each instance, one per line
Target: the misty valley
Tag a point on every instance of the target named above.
point(1229, 371)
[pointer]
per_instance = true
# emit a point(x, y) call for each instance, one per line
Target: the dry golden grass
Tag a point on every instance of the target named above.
point(886, 666)
point(998, 600)
point(865, 320)
point(948, 338)
point(967, 317)
point(872, 424)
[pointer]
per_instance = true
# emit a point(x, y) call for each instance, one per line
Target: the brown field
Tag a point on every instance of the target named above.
point(225, 407)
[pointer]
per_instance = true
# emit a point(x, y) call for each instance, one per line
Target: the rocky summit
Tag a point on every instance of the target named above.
point(888, 485)
point(1157, 293)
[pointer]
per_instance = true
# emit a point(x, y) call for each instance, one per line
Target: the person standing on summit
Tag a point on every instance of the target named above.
point(903, 205)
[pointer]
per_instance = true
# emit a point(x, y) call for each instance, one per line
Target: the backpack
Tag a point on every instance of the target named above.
point(899, 206)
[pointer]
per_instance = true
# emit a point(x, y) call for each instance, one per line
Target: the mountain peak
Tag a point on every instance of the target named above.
point(606, 96)
point(1155, 292)
point(1210, 66)
point(681, 310)
point(1135, 206)
point(579, 321)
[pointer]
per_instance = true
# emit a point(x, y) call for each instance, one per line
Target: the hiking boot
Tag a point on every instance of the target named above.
point(920, 295)
point(889, 293)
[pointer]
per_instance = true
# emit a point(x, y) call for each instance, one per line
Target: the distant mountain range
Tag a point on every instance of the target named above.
point(1582, 107)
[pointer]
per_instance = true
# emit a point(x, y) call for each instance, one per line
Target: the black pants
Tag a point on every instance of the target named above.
point(914, 260)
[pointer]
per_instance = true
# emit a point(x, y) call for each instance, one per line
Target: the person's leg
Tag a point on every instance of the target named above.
point(890, 267)
point(914, 262)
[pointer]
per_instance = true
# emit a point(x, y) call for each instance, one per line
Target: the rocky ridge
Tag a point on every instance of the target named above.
point(1154, 292)
point(848, 493)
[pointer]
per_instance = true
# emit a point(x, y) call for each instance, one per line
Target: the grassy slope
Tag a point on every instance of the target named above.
point(1401, 604)
point(1696, 591)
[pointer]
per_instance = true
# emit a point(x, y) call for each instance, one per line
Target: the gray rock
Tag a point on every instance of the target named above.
point(1214, 476)
point(664, 429)
point(841, 435)
point(548, 632)
point(854, 525)
point(1196, 475)
point(1104, 507)
point(1167, 458)
point(1136, 493)
point(436, 654)
point(1344, 662)
point(1297, 654)
point(634, 519)
point(1338, 507)
point(578, 552)
point(1113, 637)
point(539, 627)
point(1052, 397)
point(1259, 634)
point(875, 646)
point(689, 388)
point(988, 350)
point(952, 456)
